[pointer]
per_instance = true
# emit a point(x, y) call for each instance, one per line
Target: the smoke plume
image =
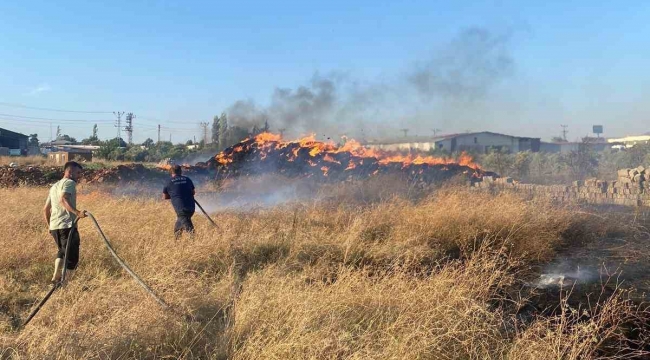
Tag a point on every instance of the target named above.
point(464, 70)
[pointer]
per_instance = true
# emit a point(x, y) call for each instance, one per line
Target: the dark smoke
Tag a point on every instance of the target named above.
point(305, 106)
point(466, 68)
point(246, 114)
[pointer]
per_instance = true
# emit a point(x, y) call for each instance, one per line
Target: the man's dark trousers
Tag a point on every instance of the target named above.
point(183, 222)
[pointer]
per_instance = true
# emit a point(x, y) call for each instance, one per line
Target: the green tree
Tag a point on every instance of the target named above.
point(215, 129)
point(68, 138)
point(583, 162)
point(33, 140)
point(111, 149)
point(148, 143)
point(93, 139)
point(223, 131)
point(498, 161)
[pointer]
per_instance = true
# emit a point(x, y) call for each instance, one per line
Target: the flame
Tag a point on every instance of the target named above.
point(352, 153)
point(329, 158)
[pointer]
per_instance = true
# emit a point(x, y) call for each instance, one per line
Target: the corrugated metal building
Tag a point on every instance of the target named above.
point(485, 141)
point(481, 142)
point(14, 143)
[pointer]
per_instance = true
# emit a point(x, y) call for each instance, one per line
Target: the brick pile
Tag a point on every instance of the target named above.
point(631, 189)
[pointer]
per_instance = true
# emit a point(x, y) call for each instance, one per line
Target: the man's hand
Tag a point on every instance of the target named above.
point(81, 214)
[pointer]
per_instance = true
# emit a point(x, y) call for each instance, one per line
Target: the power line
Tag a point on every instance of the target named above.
point(129, 127)
point(204, 127)
point(55, 110)
point(52, 119)
point(118, 125)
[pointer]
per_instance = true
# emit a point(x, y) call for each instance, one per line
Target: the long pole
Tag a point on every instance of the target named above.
point(206, 214)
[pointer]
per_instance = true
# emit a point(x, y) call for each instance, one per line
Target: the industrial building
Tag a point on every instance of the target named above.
point(13, 143)
point(484, 142)
point(480, 142)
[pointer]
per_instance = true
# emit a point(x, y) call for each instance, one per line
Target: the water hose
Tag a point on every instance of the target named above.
point(206, 214)
point(59, 283)
point(124, 265)
point(115, 256)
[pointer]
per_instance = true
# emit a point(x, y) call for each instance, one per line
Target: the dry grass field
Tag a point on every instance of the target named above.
point(440, 278)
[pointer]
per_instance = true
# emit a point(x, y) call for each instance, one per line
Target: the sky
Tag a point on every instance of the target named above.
point(521, 68)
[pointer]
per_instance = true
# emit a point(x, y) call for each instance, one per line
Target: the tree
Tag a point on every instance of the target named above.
point(68, 138)
point(33, 140)
point(582, 162)
point(110, 149)
point(148, 143)
point(234, 135)
point(223, 129)
point(93, 139)
point(189, 142)
point(215, 129)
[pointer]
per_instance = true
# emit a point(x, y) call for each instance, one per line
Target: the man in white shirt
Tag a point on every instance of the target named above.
point(60, 213)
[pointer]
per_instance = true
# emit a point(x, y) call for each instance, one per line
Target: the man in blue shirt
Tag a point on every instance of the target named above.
point(180, 190)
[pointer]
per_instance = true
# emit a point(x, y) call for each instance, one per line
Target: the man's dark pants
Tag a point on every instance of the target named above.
point(183, 222)
point(61, 238)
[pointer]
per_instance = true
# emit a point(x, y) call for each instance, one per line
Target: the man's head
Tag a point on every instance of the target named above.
point(72, 170)
point(176, 170)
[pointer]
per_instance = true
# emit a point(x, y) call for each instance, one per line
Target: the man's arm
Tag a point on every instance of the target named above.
point(166, 194)
point(47, 211)
point(65, 201)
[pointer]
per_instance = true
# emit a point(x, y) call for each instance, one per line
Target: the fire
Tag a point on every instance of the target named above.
point(351, 157)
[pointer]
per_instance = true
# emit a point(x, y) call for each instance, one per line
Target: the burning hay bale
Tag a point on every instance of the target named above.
point(268, 153)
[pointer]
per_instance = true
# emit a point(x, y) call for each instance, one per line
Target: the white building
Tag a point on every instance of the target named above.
point(630, 141)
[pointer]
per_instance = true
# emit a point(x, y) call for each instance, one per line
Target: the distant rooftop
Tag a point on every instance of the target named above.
point(427, 139)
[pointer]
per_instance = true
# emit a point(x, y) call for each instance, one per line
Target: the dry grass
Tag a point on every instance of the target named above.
point(25, 160)
point(394, 280)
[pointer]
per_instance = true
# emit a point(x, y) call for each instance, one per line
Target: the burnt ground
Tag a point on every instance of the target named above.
point(586, 273)
point(622, 258)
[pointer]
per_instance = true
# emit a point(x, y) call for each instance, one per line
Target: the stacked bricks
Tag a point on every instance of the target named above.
point(630, 189)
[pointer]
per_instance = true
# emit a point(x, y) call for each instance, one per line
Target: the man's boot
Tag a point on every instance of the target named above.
point(57, 270)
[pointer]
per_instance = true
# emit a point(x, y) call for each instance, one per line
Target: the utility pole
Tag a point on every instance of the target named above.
point(435, 132)
point(564, 131)
point(129, 127)
point(405, 131)
point(118, 125)
point(170, 137)
point(158, 133)
point(204, 127)
point(282, 132)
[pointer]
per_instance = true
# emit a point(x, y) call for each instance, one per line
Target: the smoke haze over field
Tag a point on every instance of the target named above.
point(458, 76)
